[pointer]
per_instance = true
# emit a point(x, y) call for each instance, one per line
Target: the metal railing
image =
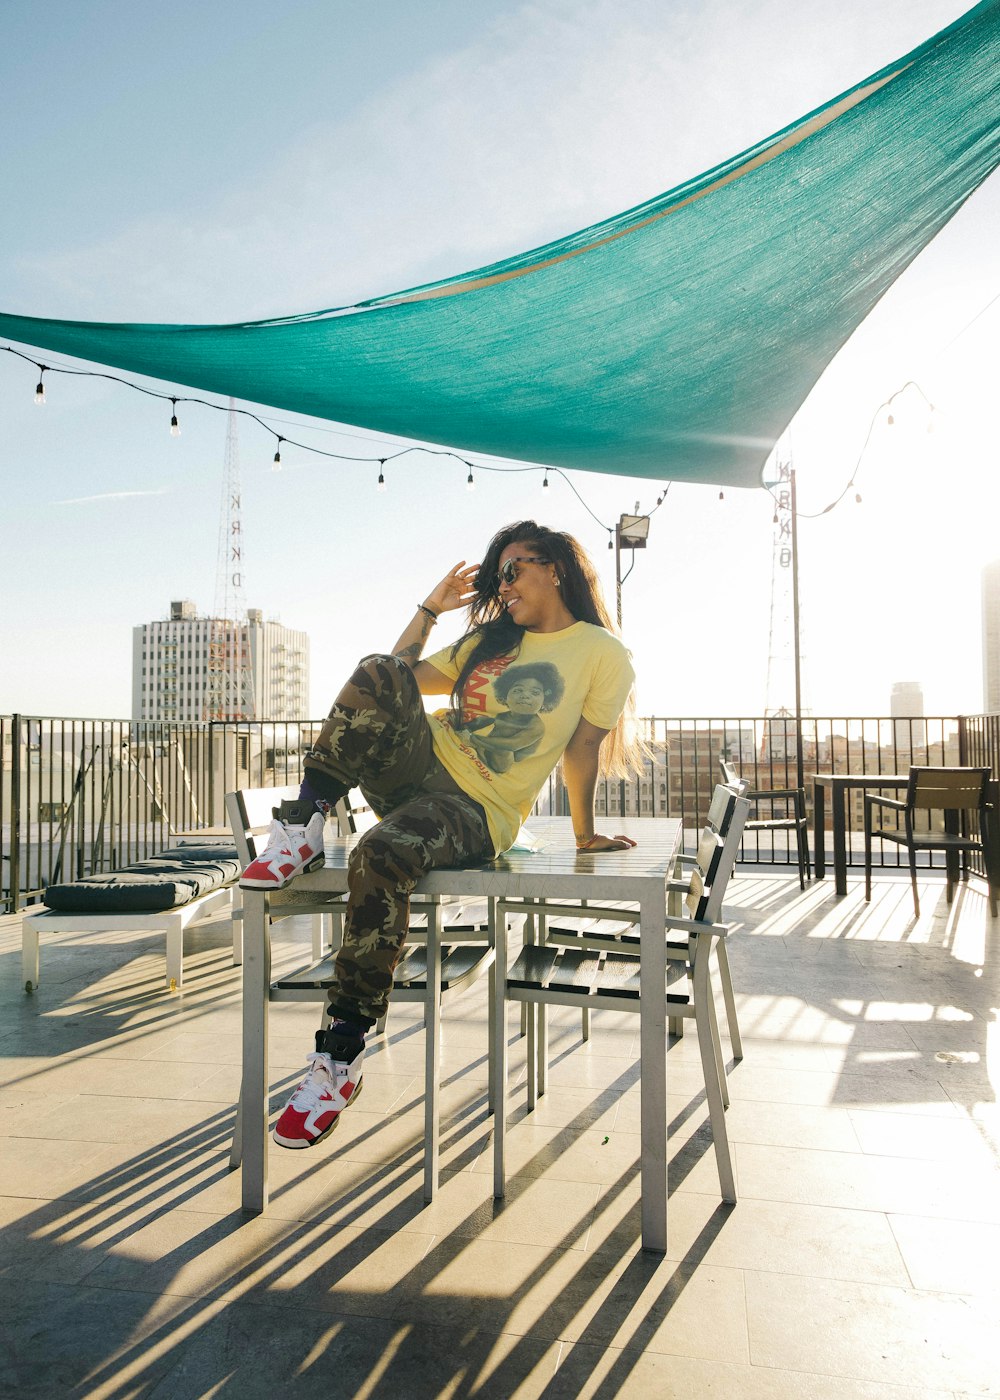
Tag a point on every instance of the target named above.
point(83, 796)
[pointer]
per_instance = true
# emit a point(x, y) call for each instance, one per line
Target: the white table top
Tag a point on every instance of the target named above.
point(557, 868)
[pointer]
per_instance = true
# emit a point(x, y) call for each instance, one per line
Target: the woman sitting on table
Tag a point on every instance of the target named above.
point(451, 788)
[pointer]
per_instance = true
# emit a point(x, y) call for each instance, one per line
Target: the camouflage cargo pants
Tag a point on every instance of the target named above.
point(377, 738)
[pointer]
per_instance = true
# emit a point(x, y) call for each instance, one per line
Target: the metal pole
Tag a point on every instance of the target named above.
point(618, 572)
point(799, 765)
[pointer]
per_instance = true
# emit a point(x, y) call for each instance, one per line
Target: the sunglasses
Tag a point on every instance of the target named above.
point(509, 571)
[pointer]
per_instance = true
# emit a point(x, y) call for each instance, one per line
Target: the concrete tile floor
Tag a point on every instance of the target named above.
point(861, 1260)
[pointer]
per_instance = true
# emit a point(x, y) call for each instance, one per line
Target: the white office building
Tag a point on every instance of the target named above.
point(991, 638)
point(906, 705)
point(191, 668)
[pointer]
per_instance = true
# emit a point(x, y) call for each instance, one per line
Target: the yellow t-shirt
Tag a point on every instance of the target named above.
point(521, 710)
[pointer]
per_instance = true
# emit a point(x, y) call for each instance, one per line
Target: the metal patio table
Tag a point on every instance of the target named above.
point(555, 871)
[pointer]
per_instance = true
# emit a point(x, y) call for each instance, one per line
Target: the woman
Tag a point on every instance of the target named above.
point(451, 788)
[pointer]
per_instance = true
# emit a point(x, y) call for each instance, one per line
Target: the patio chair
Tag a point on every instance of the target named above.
point(610, 927)
point(953, 791)
point(467, 951)
point(590, 965)
point(794, 818)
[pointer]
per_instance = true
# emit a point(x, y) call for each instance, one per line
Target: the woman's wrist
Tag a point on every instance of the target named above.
point(428, 611)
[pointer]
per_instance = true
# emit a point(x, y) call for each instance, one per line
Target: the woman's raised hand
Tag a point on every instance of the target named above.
point(455, 590)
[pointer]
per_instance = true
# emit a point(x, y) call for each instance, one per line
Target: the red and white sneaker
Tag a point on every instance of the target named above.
point(315, 1107)
point(290, 850)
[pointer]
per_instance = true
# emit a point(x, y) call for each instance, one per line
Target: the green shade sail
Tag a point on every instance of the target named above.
point(673, 341)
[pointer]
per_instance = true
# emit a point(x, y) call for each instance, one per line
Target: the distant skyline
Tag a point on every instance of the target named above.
point(224, 162)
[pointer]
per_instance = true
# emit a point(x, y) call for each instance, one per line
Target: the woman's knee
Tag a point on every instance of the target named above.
point(385, 854)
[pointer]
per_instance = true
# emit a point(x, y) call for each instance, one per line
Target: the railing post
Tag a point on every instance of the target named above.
point(963, 741)
point(15, 813)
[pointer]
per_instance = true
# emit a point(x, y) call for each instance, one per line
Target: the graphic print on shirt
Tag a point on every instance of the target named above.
point(526, 692)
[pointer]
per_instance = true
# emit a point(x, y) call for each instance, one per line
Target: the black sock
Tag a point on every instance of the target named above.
point(316, 787)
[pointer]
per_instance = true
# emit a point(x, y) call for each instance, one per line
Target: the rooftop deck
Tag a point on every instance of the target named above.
point(860, 1261)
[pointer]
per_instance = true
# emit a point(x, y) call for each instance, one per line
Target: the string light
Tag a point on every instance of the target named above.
point(722, 495)
point(174, 400)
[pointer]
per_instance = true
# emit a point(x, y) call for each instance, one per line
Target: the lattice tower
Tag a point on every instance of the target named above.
point(778, 739)
point(230, 693)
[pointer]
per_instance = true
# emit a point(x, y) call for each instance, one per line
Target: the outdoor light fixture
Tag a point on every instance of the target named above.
point(470, 485)
point(276, 464)
point(381, 478)
point(40, 386)
point(631, 532)
point(175, 427)
point(545, 480)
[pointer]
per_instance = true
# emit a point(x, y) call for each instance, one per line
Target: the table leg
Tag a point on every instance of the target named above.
point(432, 1053)
point(256, 981)
point(819, 829)
point(838, 801)
point(653, 1080)
point(498, 1060)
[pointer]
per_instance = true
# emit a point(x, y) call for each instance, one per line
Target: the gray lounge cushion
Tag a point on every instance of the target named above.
point(164, 881)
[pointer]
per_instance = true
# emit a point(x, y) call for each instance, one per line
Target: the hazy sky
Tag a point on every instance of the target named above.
point(229, 161)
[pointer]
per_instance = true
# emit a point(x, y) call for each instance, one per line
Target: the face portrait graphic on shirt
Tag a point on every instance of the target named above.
point(527, 692)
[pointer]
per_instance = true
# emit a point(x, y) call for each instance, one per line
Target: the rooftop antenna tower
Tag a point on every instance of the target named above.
point(230, 672)
point(782, 736)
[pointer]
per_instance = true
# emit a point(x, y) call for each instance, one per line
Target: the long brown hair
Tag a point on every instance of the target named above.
point(495, 633)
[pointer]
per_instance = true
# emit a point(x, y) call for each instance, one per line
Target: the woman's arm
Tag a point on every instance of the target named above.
point(581, 764)
point(454, 591)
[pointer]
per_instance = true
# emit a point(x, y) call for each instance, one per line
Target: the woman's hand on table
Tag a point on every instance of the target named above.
point(604, 843)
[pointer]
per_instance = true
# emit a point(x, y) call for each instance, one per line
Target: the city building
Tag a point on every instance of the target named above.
point(991, 638)
point(906, 705)
point(191, 668)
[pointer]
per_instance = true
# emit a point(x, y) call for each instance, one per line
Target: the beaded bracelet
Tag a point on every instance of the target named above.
point(422, 607)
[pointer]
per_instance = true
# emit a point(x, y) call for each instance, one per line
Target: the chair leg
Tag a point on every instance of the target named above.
point(910, 851)
point(710, 1071)
point(236, 1150)
point(713, 1025)
point(726, 979)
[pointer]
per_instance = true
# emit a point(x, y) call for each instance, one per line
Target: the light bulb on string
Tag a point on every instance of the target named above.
point(890, 420)
point(175, 427)
point(470, 484)
point(545, 480)
point(722, 495)
point(276, 464)
point(381, 478)
point(40, 386)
